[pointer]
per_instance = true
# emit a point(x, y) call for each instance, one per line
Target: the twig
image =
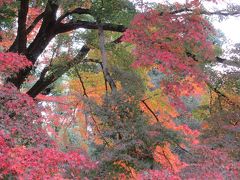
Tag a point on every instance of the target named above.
point(152, 112)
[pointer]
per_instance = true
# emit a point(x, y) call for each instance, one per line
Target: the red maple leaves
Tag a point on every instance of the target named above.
point(175, 44)
point(11, 63)
point(26, 150)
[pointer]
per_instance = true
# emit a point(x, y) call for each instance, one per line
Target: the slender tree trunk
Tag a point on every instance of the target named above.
point(104, 58)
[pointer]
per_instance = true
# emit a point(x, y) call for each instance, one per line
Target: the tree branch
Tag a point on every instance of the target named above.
point(61, 27)
point(221, 94)
point(228, 62)
point(151, 111)
point(35, 22)
point(75, 11)
point(14, 47)
point(40, 42)
point(42, 83)
point(221, 13)
point(90, 108)
point(204, 12)
point(81, 82)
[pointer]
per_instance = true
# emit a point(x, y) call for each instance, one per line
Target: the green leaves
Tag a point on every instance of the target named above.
point(7, 15)
point(117, 11)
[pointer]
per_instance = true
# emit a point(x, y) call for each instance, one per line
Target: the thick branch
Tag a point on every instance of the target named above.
point(50, 27)
point(75, 11)
point(40, 42)
point(14, 46)
point(61, 28)
point(35, 22)
point(204, 12)
point(217, 59)
point(221, 13)
point(120, 28)
point(46, 32)
point(221, 94)
point(228, 62)
point(105, 80)
point(42, 83)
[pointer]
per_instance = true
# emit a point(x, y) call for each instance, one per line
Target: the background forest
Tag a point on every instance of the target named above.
point(117, 89)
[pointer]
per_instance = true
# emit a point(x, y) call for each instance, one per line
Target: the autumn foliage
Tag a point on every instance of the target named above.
point(26, 150)
point(134, 108)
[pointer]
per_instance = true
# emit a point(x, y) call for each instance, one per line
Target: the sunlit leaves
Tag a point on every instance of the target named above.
point(167, 159)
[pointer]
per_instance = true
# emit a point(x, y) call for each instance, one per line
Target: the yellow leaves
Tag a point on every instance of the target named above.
point(81, 124)
point(94, 54)
point(161, 106)
point(152, 29)
point(234, 98)
point(167, 159)
point(87, 4)
point(93, 82)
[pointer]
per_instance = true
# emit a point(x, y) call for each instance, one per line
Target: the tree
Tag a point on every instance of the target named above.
point(132, 122)
point(27, 151)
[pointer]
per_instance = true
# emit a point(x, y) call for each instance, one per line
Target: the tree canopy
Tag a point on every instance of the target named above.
point(117, 89)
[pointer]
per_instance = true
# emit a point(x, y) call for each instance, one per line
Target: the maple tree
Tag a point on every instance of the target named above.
point(125, 98)
point(27, 151)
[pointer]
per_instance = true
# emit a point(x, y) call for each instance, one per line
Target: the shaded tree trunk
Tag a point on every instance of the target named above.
point(104, 58)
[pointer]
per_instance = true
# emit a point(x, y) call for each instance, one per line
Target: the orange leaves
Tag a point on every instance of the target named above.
point(165, 113)
point(167, 159)
point(129, 169)
point(94, 84)
point(196, 88)
point(6, 39)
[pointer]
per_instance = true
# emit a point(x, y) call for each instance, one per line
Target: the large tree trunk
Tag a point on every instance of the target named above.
point(51, 26)
point(22, 33)
point(44, 36)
